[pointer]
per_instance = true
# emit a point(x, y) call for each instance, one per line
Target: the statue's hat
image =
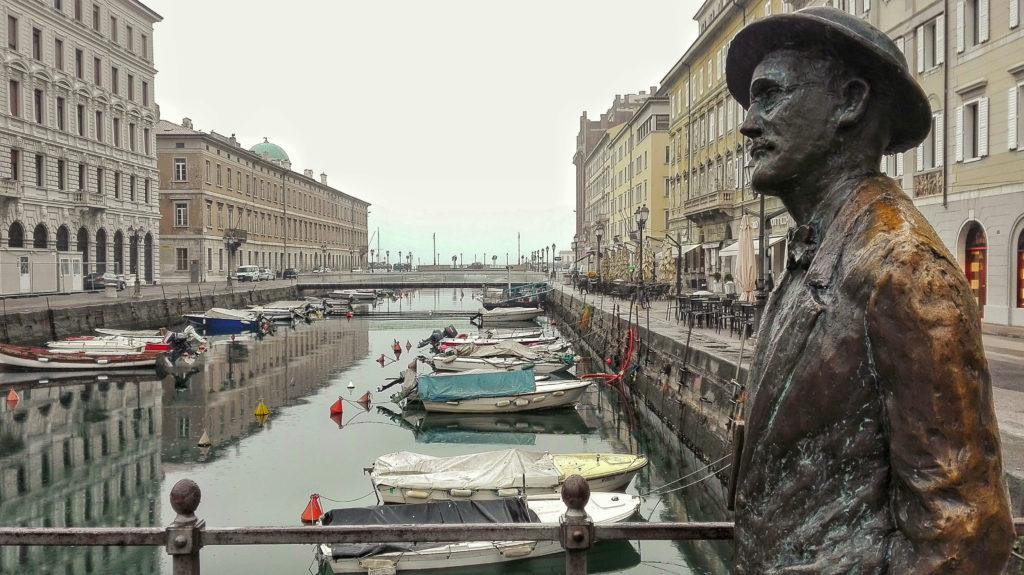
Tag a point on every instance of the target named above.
point(862, 45)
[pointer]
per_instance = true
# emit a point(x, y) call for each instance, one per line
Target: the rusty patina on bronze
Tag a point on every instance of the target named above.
point(872, 444)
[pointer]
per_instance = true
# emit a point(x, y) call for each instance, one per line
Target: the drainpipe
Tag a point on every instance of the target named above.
point(945, 108)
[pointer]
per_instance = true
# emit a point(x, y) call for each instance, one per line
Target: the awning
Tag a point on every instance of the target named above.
point(734, 249)
point(687, 248)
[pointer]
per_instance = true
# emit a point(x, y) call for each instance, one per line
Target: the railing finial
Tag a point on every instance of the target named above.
point(185, 496)
point(575, 493)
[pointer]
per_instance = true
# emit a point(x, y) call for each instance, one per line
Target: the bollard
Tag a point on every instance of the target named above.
point(184, 533)
point(577, 529)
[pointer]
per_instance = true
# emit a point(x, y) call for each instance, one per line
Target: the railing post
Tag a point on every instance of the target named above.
point(577, 528)
point(184, 534)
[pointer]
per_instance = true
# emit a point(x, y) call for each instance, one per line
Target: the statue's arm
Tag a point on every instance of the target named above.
point(946, 490)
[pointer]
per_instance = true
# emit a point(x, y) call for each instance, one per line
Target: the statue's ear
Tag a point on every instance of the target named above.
point(855, 94)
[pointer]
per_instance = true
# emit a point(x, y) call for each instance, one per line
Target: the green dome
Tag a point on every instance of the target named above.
point(270, 151)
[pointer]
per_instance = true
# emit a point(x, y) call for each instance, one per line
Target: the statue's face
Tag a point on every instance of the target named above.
point(790, 121)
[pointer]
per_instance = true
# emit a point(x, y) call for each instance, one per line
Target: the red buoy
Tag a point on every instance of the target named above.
point(336, 418)
point(12, 395)
point(365, 399)
point(336, 407)
point(381, 360)
point(312, 512)
point(348, 315)
point(408, 345)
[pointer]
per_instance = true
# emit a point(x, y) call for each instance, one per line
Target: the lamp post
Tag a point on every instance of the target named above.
point(400, 257)
point(372, 261)
point(323, 260)
point(387, 260)
point(598, 232)
point(552, 261)
point(641, 218)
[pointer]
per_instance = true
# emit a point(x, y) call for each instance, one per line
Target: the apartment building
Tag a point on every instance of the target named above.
point(223, 205)
point(77, 161)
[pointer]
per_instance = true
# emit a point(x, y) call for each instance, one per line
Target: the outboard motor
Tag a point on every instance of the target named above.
point(434, 339)
point(450, 331)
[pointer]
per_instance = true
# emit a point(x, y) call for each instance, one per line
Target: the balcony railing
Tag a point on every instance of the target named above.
point(718, 199)
point(89, 200)
point(185, 537)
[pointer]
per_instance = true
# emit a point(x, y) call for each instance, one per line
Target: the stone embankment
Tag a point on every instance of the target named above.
point(152, 310)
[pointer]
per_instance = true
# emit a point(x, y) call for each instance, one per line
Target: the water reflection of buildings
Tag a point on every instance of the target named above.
point(80, 455)
point(236, 375)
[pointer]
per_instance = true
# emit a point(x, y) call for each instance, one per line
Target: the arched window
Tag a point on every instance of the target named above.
point(118, 252)
point(16, 236)
point(975, 259)
point(40, 237)
point(63, 239)
point(101, 251)
point(83, 243)
point(1020, 270)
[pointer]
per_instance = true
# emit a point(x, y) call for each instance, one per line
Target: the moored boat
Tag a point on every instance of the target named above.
point(486, 391)
point(355, 294)
point(224, 321)
point(24, 357)
point(506, 314)
point(443, 362)
point(603, 508)
point(408, 477)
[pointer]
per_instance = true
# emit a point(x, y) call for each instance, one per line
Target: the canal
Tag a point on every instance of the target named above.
point(88, 451)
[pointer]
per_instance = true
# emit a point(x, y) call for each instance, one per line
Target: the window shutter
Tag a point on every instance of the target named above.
point(982, 20)
point(919, 41)
point(881, 165)
point(982, 127)
point(899, 164)
point(1011, 118)
point(958, 133)
point(867, 5)
point(1014, 13)
point(920, 157)
point(940, 138)
point(960, 26)
point(940, 39)
point(851, 6)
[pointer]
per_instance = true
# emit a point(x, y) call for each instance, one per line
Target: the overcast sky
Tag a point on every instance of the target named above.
point(454, 117)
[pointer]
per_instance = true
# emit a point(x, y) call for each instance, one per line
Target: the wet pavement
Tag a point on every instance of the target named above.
point(83, 451)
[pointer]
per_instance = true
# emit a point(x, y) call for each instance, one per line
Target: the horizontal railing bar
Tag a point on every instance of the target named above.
point(113, 536)
point(157, 536)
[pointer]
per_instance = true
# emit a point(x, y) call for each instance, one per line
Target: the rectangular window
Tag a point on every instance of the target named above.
point(131, 137)
point(81, 177)
point(12, 32)
point(37, 102)
point(115, 85)
point(131, 188)
point(61, 174)
point(219, 181)
point(58, 53)
point(15, 164)
point(97, 71)
point(181, 214)
point(131, 87)
point(220, 216)
point(61, 114)
point(96, 17)
point(78, 10)
point(1015, 124)
point(80, 118)
point(117, 185)
point(207, 171)
point(100, 181)
point(181, 259)
point(130, 32)
point(209, 214)
point(229, 178)
point(40, 165)
point(58, 5)
point(116, 124)
point(145, 140)
point(220, 259)
point(180, 171)
point(144, 45)
point(974, 129)
point(209, 259)
point(99, 126)
point(113, 28)
point(79, 66)
point(145, 93)
point(145, 191)
point(37, 43)
point(14, 98)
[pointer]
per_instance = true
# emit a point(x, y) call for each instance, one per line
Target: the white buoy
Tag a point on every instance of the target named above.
point(351, 385)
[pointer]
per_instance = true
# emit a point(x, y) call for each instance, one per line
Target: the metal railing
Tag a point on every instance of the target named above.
point(186, 536)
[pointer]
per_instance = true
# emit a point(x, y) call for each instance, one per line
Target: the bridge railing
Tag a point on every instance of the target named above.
point(186, 536)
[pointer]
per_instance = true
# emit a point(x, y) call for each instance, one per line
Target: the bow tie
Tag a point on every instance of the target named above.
point(802, 245)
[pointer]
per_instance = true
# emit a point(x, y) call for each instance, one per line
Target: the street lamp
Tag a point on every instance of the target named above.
point(575, 252)
point(323, 260)
point(598, 231)
point(641, 219)
point(552, 261)
point(387, 260)
point(372, 261)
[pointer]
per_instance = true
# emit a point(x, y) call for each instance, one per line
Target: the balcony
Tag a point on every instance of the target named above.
point(928, 184)
point(88, 200)
point(11, 189)
point(710, 207)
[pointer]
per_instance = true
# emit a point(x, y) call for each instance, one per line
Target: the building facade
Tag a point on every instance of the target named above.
point(78, 172)
point(223, 206)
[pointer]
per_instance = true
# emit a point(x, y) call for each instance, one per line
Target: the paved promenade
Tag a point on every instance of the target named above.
point(1005, 358)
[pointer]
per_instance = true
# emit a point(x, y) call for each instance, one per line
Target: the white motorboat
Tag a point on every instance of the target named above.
point(603, 508)
point(506, 314)
point(355, 294)
point(122, 343)
point(528, 341)
point(442, 362)
point(489, 391)
point(408, 477)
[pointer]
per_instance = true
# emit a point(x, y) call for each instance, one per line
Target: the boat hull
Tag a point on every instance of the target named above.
point(15, 357)
point(499, 364)
point(218, 325)
point(554, 398)
point(506, 314)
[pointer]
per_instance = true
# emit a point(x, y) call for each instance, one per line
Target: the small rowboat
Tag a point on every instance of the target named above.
point(408, 477)
point(506, 314)
point(22, 357)
point(384, 557)
point(110, 344)
point(454, 363)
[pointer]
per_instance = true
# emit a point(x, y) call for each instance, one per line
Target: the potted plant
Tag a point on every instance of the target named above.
point(716, 276)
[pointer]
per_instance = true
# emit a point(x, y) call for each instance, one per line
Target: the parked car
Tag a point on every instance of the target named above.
point(290, 274)
point(101, 281)
point(322, 270)
point(248, 274)
point(266, 274)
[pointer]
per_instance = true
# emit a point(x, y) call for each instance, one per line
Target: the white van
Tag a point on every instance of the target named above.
point(248, 274)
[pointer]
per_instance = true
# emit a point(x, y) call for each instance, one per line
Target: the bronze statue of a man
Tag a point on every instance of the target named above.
point(872, 444)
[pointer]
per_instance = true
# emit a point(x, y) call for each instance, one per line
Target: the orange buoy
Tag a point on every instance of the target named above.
point(312, 512)
point(337, 407)
point(12, 395)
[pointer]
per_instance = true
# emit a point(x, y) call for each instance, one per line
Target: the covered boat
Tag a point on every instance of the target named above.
point(387, 557)
point(489, 391)
point(408, 477)
point(506, 314)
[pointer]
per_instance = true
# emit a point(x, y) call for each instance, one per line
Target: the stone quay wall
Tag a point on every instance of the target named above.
point(123, 312)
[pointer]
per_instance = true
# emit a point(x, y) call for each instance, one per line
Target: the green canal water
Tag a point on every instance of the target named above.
point(101, 452)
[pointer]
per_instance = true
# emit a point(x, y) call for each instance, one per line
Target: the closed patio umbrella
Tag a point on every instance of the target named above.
point(745, 262)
